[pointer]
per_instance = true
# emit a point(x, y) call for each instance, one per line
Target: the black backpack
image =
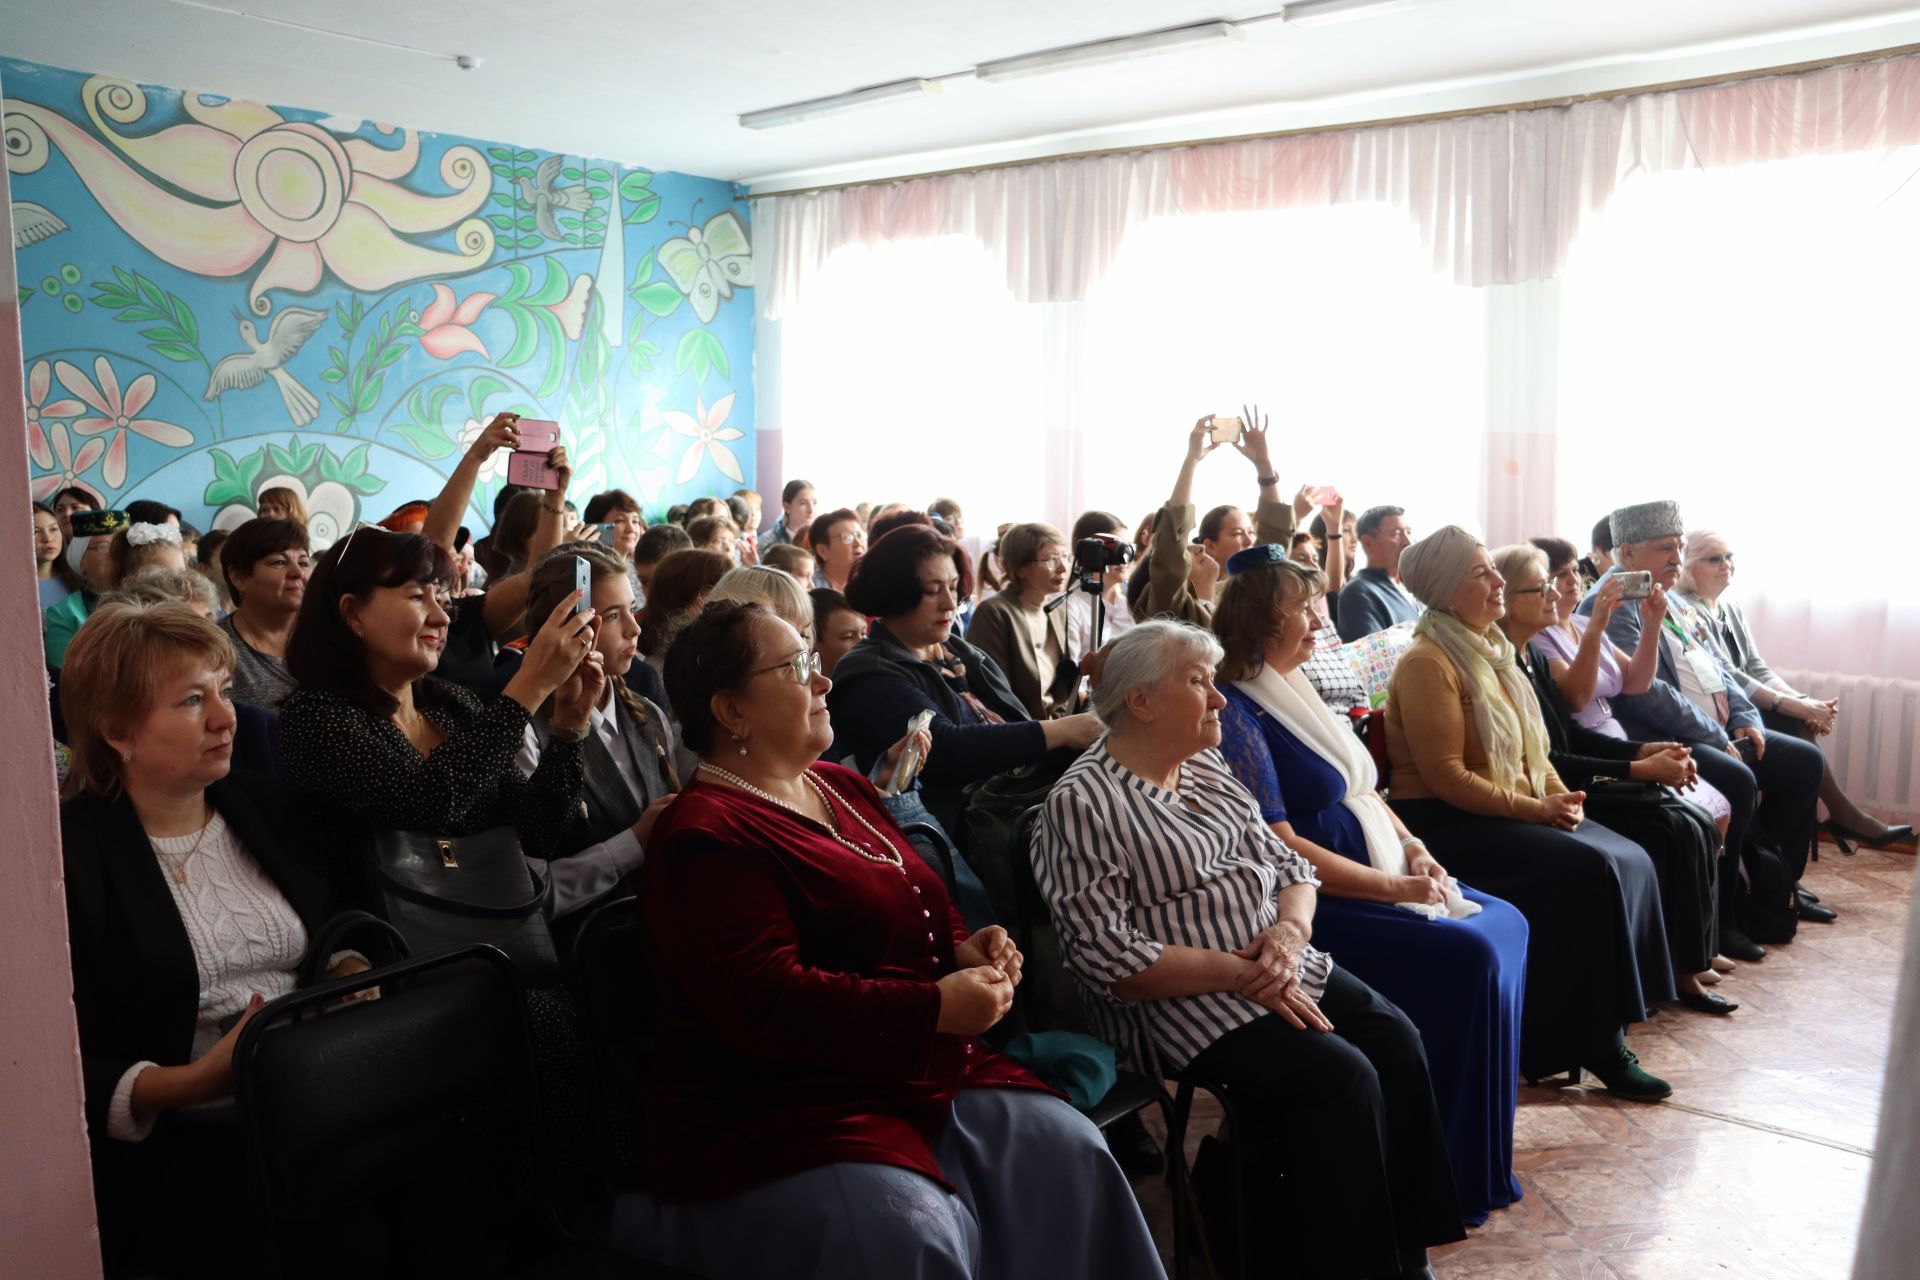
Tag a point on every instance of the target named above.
point(1766, 910)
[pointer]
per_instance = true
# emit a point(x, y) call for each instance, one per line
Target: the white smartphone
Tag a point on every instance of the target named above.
point(909, 767)
point(583, 583)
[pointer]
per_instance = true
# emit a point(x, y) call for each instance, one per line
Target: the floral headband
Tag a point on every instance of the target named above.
point(145, 535)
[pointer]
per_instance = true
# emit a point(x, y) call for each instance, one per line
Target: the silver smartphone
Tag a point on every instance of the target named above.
point(1635, 586)
point(583, 583)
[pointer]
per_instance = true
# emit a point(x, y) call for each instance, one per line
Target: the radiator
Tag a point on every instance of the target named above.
point(1873, 748)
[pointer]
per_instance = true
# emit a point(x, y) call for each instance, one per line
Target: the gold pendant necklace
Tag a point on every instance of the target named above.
point(179, 869)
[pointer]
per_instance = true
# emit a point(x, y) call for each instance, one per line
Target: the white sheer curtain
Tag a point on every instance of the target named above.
point(1742, 340)
point(910, 371)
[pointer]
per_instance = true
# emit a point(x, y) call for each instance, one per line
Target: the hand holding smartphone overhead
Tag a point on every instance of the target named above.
point(583, 583)
point(530, 464)
point(1227, 430)
point(1323, 495)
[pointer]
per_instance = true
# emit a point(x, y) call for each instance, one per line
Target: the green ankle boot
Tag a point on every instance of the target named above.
point(1624, 1077)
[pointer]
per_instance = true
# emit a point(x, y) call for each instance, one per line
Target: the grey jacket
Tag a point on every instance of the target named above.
point(1663, 713)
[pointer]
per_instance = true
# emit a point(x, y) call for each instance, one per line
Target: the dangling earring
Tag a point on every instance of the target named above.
point(742, 748)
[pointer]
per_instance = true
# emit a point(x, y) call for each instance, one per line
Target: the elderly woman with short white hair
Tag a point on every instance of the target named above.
point(1174, 897)
point(1471, 777)
point(1706, 572)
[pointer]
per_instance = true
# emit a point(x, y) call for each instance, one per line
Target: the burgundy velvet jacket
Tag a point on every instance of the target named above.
point(797, 1002)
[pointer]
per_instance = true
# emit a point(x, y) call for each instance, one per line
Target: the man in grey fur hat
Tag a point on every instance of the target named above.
point(1696, 699)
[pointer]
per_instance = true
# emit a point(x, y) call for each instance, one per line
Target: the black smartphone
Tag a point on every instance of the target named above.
point(1748, 752)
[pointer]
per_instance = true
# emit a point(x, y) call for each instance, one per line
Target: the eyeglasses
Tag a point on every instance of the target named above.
point(1726, 559)
point(848, 539)
point(1528, 591)
point(802, 666)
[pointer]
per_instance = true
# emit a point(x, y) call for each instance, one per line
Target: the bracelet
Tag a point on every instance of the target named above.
point(1266, 480)
point(573, 736)
point(553, 511)
point(1411, 841)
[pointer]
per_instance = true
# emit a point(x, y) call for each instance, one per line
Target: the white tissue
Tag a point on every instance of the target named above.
point(1458, 907)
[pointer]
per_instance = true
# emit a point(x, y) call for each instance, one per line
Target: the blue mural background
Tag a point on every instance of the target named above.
point(219, 296)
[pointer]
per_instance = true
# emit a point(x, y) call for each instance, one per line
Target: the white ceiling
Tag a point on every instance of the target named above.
point(661, 84)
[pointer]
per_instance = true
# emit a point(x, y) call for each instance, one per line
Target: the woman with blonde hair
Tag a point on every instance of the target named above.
point(192, 895)
point(778, 591)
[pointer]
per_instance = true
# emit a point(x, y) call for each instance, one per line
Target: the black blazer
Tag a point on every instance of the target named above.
point(1581, 756)
point(136, 989)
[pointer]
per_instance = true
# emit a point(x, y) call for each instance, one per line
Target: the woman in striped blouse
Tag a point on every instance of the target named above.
point(1173, 895)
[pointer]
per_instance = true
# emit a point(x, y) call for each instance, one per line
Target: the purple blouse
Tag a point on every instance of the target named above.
point(1598, 713)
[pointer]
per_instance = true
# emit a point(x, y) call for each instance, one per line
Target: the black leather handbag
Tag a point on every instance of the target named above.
point(448, 891)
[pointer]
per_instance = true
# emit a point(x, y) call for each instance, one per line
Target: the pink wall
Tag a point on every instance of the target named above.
point(46, 1194)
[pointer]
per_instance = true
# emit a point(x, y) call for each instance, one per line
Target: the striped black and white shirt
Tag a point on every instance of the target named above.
point(1130, 868)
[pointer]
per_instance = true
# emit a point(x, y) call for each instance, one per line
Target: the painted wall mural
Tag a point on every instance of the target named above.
point(219, 297)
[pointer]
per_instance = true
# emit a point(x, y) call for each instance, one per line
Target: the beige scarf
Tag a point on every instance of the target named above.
point(1511, 726)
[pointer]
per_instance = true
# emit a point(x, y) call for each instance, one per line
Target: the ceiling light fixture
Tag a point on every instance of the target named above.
point(814, 108)
point(1119, 49)
point(1324, 13)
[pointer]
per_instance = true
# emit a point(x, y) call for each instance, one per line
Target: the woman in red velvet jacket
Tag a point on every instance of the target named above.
point(819, 1105)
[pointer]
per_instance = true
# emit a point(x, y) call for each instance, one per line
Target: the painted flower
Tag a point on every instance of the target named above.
point(331, 509)
point(571, 311)
point(115, 414)
point(710, 434)
point(69, 466)
point(495, 467)
point(39, 382)
point(447, 329)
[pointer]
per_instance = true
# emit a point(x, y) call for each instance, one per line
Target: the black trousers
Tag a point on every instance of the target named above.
point(1348, 1117)
point(1783, 787)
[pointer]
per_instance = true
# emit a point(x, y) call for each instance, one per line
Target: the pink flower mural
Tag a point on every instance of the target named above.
point(116, 413)
point(445, 328)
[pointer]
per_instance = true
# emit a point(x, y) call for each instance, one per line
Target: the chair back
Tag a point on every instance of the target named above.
point(613, 989)
point(256, 738)
point(931, 843)
point(404, 1119)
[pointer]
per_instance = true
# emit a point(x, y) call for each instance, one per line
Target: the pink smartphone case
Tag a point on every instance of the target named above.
point(531, 469)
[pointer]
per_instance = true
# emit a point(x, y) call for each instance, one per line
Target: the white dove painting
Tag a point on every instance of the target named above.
point(262, 360)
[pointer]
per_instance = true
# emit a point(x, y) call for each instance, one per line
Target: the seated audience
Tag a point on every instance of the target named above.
point(716, 533)
point(746, 519)
point(280, 504)
point(372, 733)
point(1026, 642)
point(655, 545)
point(206, 563)
point(1179, 581)
point(1589, 669)
point(97, 554)
point(618, 508)
point(838, 539)
point(790, 559)
point(772, 590)
point(1600, 558)
point(1115, 617)
point(795, 513)
point(948, 510)
point(266, 565)
point(58, 579)
point(1374, 598)
point(896, 516)
point(1626, 785)
point(990, 578)
point(192, 896)
point(814, 1061)
point(627, 758)
point(679, 587)
point(837, 627)
point(1458, 976)
point(1172, 896)
point(164, 586)
point(189, 542)
point(1471, 778)
point(911, 660)
point(1706, 571)
point(69, 500)
point(1305, 551)
point(1697, 700)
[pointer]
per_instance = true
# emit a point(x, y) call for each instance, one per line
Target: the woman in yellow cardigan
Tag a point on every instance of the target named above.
point(1470, 777)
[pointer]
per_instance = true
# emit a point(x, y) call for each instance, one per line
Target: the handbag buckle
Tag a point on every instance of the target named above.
point(446, 854)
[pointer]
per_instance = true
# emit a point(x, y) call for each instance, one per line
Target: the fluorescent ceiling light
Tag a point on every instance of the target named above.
point(813, 108)
point(1119, 49)
point(1324, 13)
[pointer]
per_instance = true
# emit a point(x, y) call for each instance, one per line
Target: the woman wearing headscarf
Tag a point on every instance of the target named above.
point(1452, 958)
point(1471, 778)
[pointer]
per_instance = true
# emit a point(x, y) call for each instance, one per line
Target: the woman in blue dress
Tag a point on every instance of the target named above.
point(1453, 959)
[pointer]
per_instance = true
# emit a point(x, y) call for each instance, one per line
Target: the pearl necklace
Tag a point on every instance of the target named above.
point(892, 857)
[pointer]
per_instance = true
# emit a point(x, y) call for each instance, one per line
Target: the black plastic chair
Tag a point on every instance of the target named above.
point(1140, 1081)
point(607, 972)
point(399, 1125)
point(929, 839)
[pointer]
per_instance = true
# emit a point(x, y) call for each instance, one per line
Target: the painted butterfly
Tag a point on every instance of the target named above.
point(706, 264)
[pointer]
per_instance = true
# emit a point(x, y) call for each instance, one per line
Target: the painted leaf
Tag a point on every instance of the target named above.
point(634, 184)
point(477, 392)
point(503, 222)
point(660, 298)
point(643, 211)
point(174, 351)
point(282, 460)
point(304, 456)
point(430, 443)
point(230, 482)
point(597, 174)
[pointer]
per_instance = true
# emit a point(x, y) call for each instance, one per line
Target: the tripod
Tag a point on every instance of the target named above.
point(1089, 581)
